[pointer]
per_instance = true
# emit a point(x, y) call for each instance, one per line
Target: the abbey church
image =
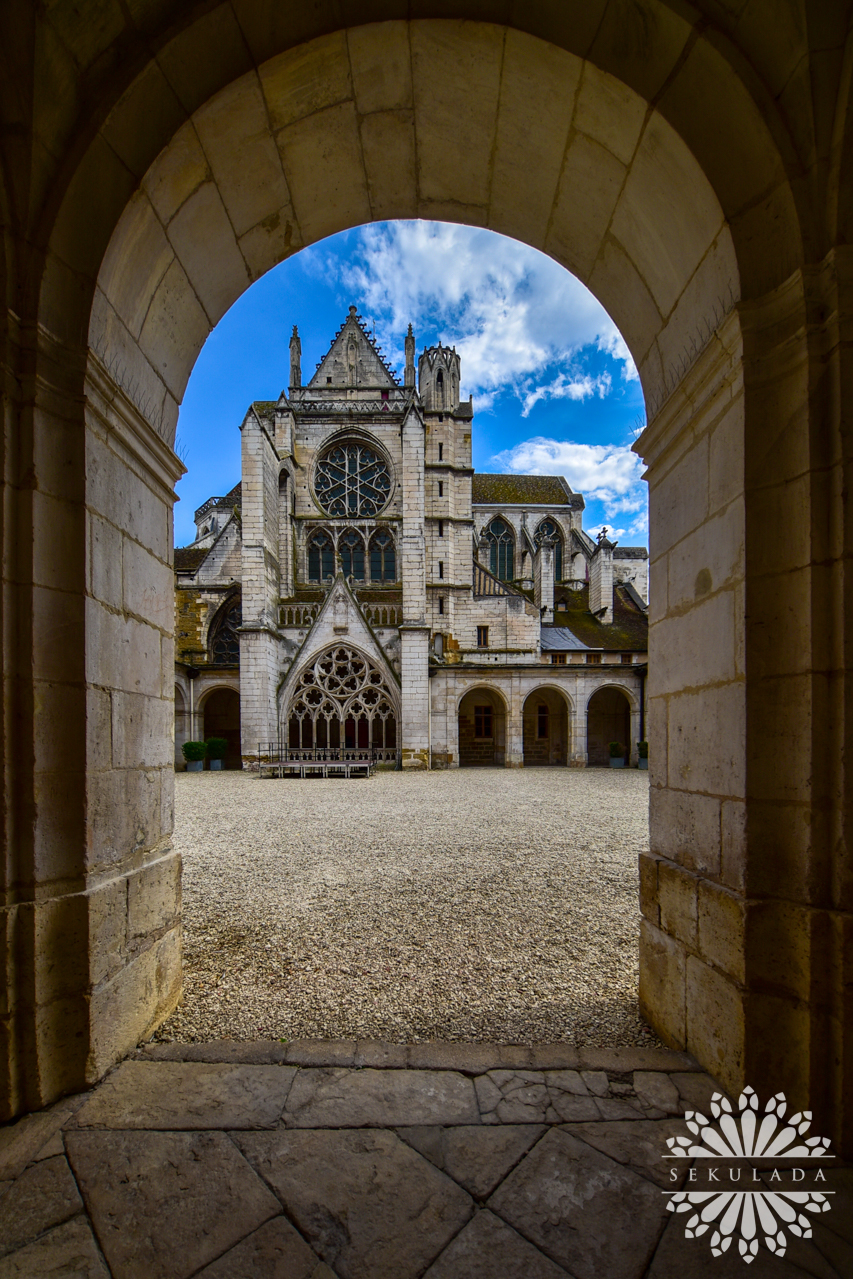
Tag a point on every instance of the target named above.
point(363, 590)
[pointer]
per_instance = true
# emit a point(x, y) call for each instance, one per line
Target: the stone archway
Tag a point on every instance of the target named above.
point(188, 173)
point(221, 718)
point(546, 728)
point(608, 719)
point(482, 728)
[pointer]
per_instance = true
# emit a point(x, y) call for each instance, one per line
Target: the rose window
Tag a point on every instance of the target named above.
point(352, 480)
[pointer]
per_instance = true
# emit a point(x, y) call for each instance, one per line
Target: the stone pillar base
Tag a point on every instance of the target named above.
point(415, 759)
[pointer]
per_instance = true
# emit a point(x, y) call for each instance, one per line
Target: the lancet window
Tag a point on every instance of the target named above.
point(548, 529)
point(352, 481)
point(351, 552)
point(502, 549)
point(321, 557)
point(342, 704)
point(224, 643)
point(383, 560)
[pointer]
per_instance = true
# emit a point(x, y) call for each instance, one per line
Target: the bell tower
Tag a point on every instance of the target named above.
point(439, 378)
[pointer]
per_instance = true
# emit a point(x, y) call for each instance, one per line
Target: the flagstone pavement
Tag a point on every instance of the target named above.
point(375, 1161)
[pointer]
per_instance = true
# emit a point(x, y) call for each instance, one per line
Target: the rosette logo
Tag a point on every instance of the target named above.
point(741, 1194)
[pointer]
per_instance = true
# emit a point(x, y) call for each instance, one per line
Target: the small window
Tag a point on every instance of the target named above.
point(328, 381)
point(441, 604)
point(482, 637)
point(558, 659)
point(441, 417)
point(385, 394)
point(482, 721)
point(441, 452)
point(441, 488)
point(541, 720)
point(627, 659)
point(441, 568)
point(593, 659)
point(441, 528)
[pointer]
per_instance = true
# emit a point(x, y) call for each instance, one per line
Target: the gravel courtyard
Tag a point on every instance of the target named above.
point(477, 904)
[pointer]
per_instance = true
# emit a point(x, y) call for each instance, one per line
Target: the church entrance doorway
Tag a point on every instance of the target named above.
point(545, 728)
point(222, 719)
point(482, 728)
point(608, 719)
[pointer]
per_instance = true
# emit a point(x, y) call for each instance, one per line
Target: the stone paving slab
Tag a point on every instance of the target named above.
point(366, 1202)
point(477, 1158)
point(490, 1249)
point(276, 1250)
point(68, 1250)
point(585, 1211)
point(267, 1052)
point(179, 1095)
point(43, 1196)
point(483, 1177)
point(339, 1098)
point(22, 1142)
point(164, 1204)
point(467, 1059)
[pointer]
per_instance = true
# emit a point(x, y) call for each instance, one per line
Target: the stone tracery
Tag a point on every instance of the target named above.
point(342, 700)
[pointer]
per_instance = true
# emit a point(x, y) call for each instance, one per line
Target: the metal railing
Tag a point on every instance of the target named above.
point(276, 757)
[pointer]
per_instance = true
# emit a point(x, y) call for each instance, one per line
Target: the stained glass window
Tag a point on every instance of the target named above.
point(499, 534)
point(351, 551)
point(351, 480)
point(383, 566)
point(225, 643)
point(549, 529)
point(321, 557)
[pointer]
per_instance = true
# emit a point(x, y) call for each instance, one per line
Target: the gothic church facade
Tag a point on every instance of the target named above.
point(363, 589)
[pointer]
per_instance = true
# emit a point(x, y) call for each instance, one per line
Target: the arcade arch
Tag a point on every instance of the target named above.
point(608, 719)
point(482, 717)
point(220, 710)
point(546, 727)
point(696, 229)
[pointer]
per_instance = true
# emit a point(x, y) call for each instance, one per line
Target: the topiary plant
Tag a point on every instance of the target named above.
point(642, 750)
point(617, 750)
point(194, 751)
point(217, 747)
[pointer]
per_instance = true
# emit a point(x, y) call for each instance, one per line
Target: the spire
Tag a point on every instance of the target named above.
point(410, 358)
point(295, 359)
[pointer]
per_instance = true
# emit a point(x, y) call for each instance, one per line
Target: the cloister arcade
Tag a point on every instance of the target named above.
point(692, 167)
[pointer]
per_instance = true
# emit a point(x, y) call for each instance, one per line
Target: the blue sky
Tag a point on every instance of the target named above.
point(555, 390)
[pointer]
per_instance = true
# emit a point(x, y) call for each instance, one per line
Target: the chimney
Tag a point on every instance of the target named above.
point(601, 579)
point(409, 379)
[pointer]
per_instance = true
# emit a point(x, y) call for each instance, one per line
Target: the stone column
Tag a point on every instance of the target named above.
point(515, 724)
point(414, 632)
point(260, 645)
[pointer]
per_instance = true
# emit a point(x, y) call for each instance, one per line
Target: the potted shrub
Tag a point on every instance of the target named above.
point(217, 749)
point(617, 755)
point(194, 753)
point(643, 755)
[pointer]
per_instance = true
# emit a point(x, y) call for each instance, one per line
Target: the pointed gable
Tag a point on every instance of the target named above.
point(353, 360)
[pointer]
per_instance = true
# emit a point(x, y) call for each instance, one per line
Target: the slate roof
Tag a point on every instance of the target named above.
point(560, 639)
point(627, 633)
point(188, 558)
point(517, 490)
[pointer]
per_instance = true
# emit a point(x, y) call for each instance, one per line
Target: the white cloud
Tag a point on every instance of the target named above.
point(607, 473)
point(512, 312)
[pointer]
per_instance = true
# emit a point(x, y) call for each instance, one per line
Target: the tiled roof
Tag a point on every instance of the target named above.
point(628, 632)
point(493, 490)
point(188, 558)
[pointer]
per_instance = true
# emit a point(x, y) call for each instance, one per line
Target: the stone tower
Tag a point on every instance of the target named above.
point(439, 378)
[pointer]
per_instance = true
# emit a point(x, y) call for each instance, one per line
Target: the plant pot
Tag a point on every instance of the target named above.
point(216, 765)
point(195, 765)
point(643, 765)
point(616, 763)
